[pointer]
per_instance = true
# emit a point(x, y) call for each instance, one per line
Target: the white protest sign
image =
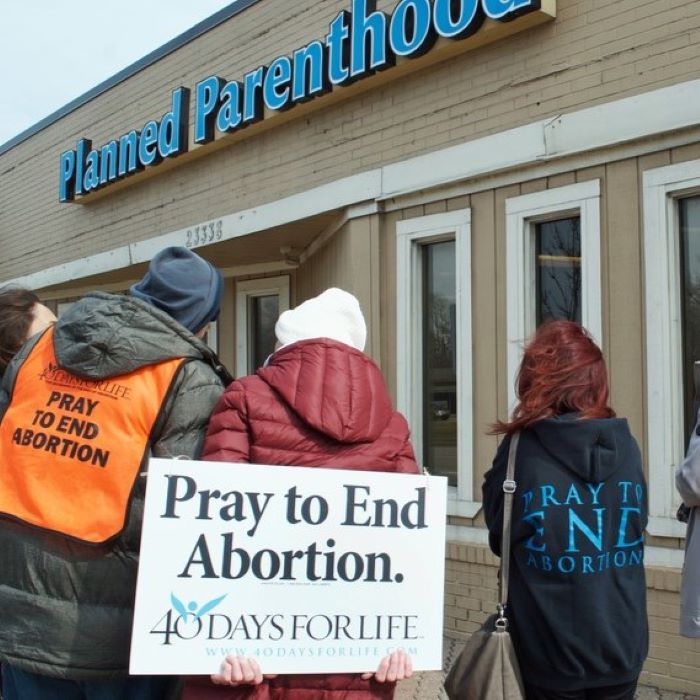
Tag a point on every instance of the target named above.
point(308, 570)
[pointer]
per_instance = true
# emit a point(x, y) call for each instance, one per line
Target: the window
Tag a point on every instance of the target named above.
point(558, 273)
point(434, 364)
point(689, 229)
point(671, 275)
point(263, 312)
point(258, 305)
point(553, 264)
point(439, 371)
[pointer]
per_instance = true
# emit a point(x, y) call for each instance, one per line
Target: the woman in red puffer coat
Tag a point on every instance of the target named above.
point(318, 402)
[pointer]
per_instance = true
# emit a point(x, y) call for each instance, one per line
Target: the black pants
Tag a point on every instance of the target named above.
point(608, 692)
point(21, 685)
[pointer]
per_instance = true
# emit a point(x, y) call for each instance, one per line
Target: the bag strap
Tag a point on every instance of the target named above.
point(508, 491)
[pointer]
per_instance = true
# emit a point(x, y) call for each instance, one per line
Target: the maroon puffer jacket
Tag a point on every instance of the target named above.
point(318, 403)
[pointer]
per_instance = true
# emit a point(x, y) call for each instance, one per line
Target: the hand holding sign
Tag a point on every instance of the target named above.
point(395, 667)
point(239, 670)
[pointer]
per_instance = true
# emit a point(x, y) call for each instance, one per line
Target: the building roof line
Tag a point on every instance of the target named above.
point(236, 7)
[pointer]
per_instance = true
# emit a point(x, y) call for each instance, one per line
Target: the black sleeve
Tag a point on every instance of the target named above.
point(492, 496)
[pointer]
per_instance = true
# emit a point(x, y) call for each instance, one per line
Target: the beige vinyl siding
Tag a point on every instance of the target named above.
point(594, 52)
point(349, 260)
point(361, 256)
point(621, 290)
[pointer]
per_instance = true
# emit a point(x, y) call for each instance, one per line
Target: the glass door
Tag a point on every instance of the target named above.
point(259, 303)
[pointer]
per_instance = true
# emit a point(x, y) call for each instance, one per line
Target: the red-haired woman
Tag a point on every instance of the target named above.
point(577, 595)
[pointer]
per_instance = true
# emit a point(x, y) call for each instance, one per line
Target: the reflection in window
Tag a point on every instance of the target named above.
point(558, 276)
point(263, 312)
point(689, 219)
point(439, 361)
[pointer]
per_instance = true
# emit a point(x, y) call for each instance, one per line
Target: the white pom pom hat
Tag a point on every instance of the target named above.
point(333, 314)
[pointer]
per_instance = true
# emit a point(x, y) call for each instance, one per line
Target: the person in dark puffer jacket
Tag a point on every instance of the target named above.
point(318, 402)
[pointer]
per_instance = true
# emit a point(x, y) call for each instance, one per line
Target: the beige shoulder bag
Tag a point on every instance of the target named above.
point(487, 668)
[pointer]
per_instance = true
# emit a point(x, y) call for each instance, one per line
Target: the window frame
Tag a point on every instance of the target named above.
point(522, 213)
point(411, 235)
point(245, 289)
point(665, 434)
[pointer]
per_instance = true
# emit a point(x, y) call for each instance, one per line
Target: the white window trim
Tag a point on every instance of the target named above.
point(581, 199)
point(411, 234)
point(244, 291)
point(664, 338)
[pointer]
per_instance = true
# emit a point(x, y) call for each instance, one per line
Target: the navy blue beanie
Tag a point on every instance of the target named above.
point(182, 284)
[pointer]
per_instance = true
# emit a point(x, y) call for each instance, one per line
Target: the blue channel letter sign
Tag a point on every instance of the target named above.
point(359, 42)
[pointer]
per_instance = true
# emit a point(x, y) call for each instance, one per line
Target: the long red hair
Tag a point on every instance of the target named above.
point(562, 371)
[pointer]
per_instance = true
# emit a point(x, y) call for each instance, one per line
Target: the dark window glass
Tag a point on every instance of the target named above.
point(689, 218)
point(263, 312)
point(558, 250)
point(439, 361)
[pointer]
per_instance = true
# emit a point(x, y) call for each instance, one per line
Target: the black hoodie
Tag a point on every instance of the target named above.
point(577, 602)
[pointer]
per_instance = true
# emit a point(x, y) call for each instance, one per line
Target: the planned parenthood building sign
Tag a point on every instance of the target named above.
point(360, 42)
point(309, 570)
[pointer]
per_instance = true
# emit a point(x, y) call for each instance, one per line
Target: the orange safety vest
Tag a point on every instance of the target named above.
point(71, 448)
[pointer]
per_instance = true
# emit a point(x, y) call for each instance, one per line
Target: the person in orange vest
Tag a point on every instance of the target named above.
point(84, 403)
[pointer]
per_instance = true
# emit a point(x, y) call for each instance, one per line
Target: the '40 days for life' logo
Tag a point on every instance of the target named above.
point(180, 625)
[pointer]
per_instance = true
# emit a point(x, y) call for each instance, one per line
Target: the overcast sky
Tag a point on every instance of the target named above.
point(52, 51)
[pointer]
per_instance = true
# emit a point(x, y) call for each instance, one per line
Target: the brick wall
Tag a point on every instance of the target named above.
point(471, 588)
point(674, 661)
point(471, 592)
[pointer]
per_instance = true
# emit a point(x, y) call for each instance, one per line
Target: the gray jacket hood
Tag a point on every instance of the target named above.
point(89, 339)
point(589, 448)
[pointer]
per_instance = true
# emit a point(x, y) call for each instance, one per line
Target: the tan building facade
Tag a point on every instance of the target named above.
point(547, 165)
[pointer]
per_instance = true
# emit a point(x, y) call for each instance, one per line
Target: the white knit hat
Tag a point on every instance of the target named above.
point(334, 314)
